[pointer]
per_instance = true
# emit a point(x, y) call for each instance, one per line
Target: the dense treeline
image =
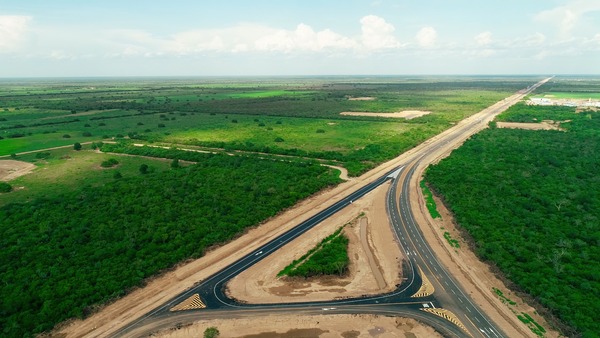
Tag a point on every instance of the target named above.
point(531, 201)
point(59, 256)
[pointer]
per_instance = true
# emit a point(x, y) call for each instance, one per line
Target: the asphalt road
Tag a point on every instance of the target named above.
point(448, 294)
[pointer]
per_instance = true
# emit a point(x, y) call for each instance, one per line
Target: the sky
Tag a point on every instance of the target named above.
point(79, 38)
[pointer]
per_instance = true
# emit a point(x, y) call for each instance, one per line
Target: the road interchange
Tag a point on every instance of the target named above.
point(460, 316)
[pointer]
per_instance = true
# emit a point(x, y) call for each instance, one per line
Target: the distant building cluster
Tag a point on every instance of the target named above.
point(545, 101)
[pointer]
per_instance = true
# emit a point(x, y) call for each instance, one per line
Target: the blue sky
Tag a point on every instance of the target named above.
point(277, 37)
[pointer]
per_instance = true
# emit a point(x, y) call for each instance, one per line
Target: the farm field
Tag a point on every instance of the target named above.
point(529, 201)
point(138, 216)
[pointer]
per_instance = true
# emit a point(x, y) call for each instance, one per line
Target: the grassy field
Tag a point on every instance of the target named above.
point(70, 170)
point(285, 116)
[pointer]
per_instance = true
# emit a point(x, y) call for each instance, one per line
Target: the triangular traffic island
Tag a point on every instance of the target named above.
point(192, 303)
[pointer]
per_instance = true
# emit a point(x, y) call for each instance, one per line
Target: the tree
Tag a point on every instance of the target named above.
point(77, 146)
point(211, 332)
point(144, 168)
point(175, 163)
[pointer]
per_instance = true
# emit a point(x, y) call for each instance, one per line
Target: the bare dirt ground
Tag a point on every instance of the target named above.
point(375, 261)
point(406, 114)
point(544, 125)
point(11, 169)
point(323, 326)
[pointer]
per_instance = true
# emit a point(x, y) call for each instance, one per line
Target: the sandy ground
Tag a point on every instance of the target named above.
point(323, 326)
point(374, 259)
point(544, 125)
point(11, 169)
point(405, 114)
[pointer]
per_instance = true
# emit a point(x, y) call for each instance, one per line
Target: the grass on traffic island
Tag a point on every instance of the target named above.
point(329, 257)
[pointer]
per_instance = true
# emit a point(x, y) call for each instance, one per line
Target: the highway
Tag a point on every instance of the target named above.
point(466, 320)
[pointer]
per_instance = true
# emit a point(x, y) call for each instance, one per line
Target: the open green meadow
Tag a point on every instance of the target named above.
point(284, 116)
point(85, 226)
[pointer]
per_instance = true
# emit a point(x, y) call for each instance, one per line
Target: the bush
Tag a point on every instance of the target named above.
point(161, 125)
point(66, 136)
point(320, 131)
point(42, 155)
point(144, 169)
point(111, 162)
point(5, 187)
point(211, 332)
point(77, 146)
point(278, 139)
point(86, 134)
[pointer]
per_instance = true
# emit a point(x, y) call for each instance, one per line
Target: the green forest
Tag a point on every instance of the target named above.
point(61, 255)
point(530, 200)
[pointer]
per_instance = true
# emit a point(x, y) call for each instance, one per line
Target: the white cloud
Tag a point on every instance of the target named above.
point(426, 37)
point(13, 29)
point(568, 16)
point(303, 38)
point(377, 34)
point(484, 38)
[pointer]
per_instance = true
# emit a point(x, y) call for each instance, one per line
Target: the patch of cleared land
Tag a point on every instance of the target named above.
point(544, 125)
point(405, 114)
point(323, 326)
point(362, 98)
point(11, 169)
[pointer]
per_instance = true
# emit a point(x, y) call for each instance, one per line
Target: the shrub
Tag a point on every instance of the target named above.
point(5, 187)
point(66, 136)
point(77, 146)
point(278, 139)
point(320, 131)
point(86, 134)
point(111, 162)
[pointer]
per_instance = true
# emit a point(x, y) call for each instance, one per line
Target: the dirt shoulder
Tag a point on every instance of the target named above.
point(323, 326)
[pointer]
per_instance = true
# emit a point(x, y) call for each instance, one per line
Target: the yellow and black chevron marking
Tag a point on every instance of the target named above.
point(426, 287)
point(448, 315)
point(193, 302)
